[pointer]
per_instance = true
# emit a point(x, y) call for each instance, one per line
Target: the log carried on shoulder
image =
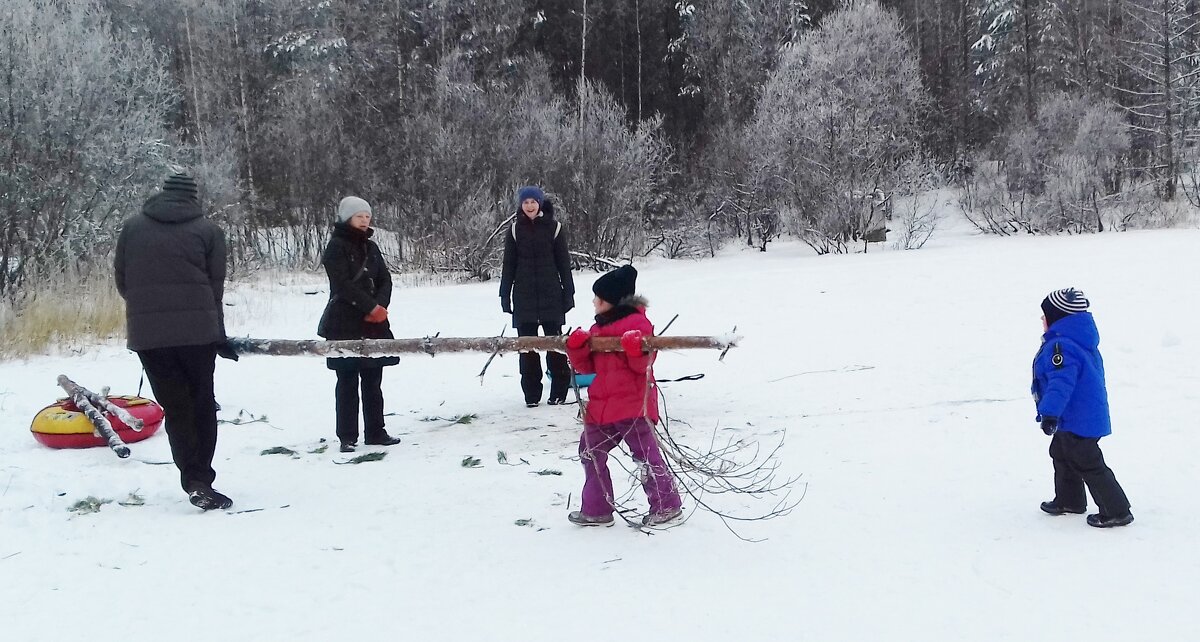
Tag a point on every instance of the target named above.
point(437, 345)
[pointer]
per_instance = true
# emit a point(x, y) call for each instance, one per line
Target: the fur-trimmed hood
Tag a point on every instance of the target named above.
point(632, 304)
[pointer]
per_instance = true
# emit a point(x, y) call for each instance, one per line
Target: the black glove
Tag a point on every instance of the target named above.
point(1049, 425)
point(505, 305)
point(225, 351)
point(568, 301)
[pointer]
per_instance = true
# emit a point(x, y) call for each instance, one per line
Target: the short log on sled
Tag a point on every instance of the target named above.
point(87, 402)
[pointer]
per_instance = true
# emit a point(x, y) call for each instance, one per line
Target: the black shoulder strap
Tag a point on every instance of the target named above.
point(1057, 359)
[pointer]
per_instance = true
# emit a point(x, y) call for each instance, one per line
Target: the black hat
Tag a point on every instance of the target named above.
point(1063, 303)
point(181, 183)
point(617, 284)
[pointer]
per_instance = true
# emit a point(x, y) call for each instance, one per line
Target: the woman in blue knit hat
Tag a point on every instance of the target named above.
point(536, 288)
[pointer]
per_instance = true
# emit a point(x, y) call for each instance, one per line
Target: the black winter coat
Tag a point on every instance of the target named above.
point(537, 270)
point(358, 281)
point(170, 269)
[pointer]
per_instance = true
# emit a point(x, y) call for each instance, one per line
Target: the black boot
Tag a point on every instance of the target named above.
point(209, 499)
point(1054, 508)
point(381, 439)
point(1104, 521)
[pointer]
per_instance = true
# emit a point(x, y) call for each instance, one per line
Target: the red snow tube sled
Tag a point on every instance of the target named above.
point(63, 426)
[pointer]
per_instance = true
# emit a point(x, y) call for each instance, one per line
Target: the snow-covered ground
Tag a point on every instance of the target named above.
point(899, 378)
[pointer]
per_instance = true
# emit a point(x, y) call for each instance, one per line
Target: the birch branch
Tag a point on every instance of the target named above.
point(80, 397)
point(439, 345)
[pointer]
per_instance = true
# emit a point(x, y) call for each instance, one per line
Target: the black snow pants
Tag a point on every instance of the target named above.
point(1078, 461)
point(182, 380)
point(531, 367)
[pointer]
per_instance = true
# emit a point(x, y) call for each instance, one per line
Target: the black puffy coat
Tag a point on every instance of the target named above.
point(358, 281)
point(170, 269)
point(537, 269)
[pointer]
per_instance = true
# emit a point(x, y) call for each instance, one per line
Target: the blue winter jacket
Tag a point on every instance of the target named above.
point(1068, 377)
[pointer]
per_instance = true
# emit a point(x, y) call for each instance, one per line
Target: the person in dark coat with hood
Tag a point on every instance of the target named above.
point(536, 288)
point(1072, 406)
point(360, 290)
point(170, 269)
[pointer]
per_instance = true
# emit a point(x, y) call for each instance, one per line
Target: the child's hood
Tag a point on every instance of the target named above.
point(1079, 328)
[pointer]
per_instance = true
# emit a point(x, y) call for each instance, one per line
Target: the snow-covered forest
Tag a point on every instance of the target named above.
point(658, 126)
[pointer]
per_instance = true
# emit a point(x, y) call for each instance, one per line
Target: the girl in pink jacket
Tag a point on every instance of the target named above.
point(622, 403)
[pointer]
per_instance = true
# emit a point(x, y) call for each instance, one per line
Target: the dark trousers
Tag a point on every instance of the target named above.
point(1078, 461)
point(182, 380)
point(346, 392)
point(531, 366)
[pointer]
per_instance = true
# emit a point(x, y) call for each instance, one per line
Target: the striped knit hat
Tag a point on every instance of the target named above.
point(1062, 303)
point(181, 183)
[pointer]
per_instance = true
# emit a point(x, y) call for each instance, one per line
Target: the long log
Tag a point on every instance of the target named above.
point(439, 345)
point(81, 398)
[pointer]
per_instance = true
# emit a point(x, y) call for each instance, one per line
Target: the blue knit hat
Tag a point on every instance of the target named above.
point(531, 191)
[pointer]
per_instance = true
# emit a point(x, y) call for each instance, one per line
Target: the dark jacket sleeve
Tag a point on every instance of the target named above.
point(562, 261)
point(215, 258)
point(338, 268)
point(382, 278)
point(119, 263)
point(510, 265)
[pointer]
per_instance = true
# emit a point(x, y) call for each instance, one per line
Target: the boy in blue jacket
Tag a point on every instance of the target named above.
point(1072, 405)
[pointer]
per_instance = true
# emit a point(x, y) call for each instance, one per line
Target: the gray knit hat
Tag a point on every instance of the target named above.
point(181, 184)
point(350, 206)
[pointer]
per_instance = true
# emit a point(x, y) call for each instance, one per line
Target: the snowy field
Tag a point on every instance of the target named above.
point(901, 380)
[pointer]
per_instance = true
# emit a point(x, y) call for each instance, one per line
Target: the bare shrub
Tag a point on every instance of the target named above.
point(915, 214)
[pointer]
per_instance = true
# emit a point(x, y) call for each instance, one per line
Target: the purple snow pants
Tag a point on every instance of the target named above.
point(594, 445)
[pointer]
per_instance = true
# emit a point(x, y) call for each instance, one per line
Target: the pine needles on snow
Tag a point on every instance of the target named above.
point(471, 462)
point(362, 459)
point(502, 458)
point(88, 504)
point(278, 450)
point(134, 499)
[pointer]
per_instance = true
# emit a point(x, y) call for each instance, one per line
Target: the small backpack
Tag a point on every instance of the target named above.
point(557, 228)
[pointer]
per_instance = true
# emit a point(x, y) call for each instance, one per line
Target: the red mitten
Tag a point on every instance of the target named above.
point(631, 343)
point(578, 339)
point(377, 315)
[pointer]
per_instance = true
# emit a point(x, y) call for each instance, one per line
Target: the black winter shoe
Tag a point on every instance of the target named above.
point(531, 404)
point(1054, 509)
point(347, 447)
point(382, 439)
point(209, 499)
point(1103, 521)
